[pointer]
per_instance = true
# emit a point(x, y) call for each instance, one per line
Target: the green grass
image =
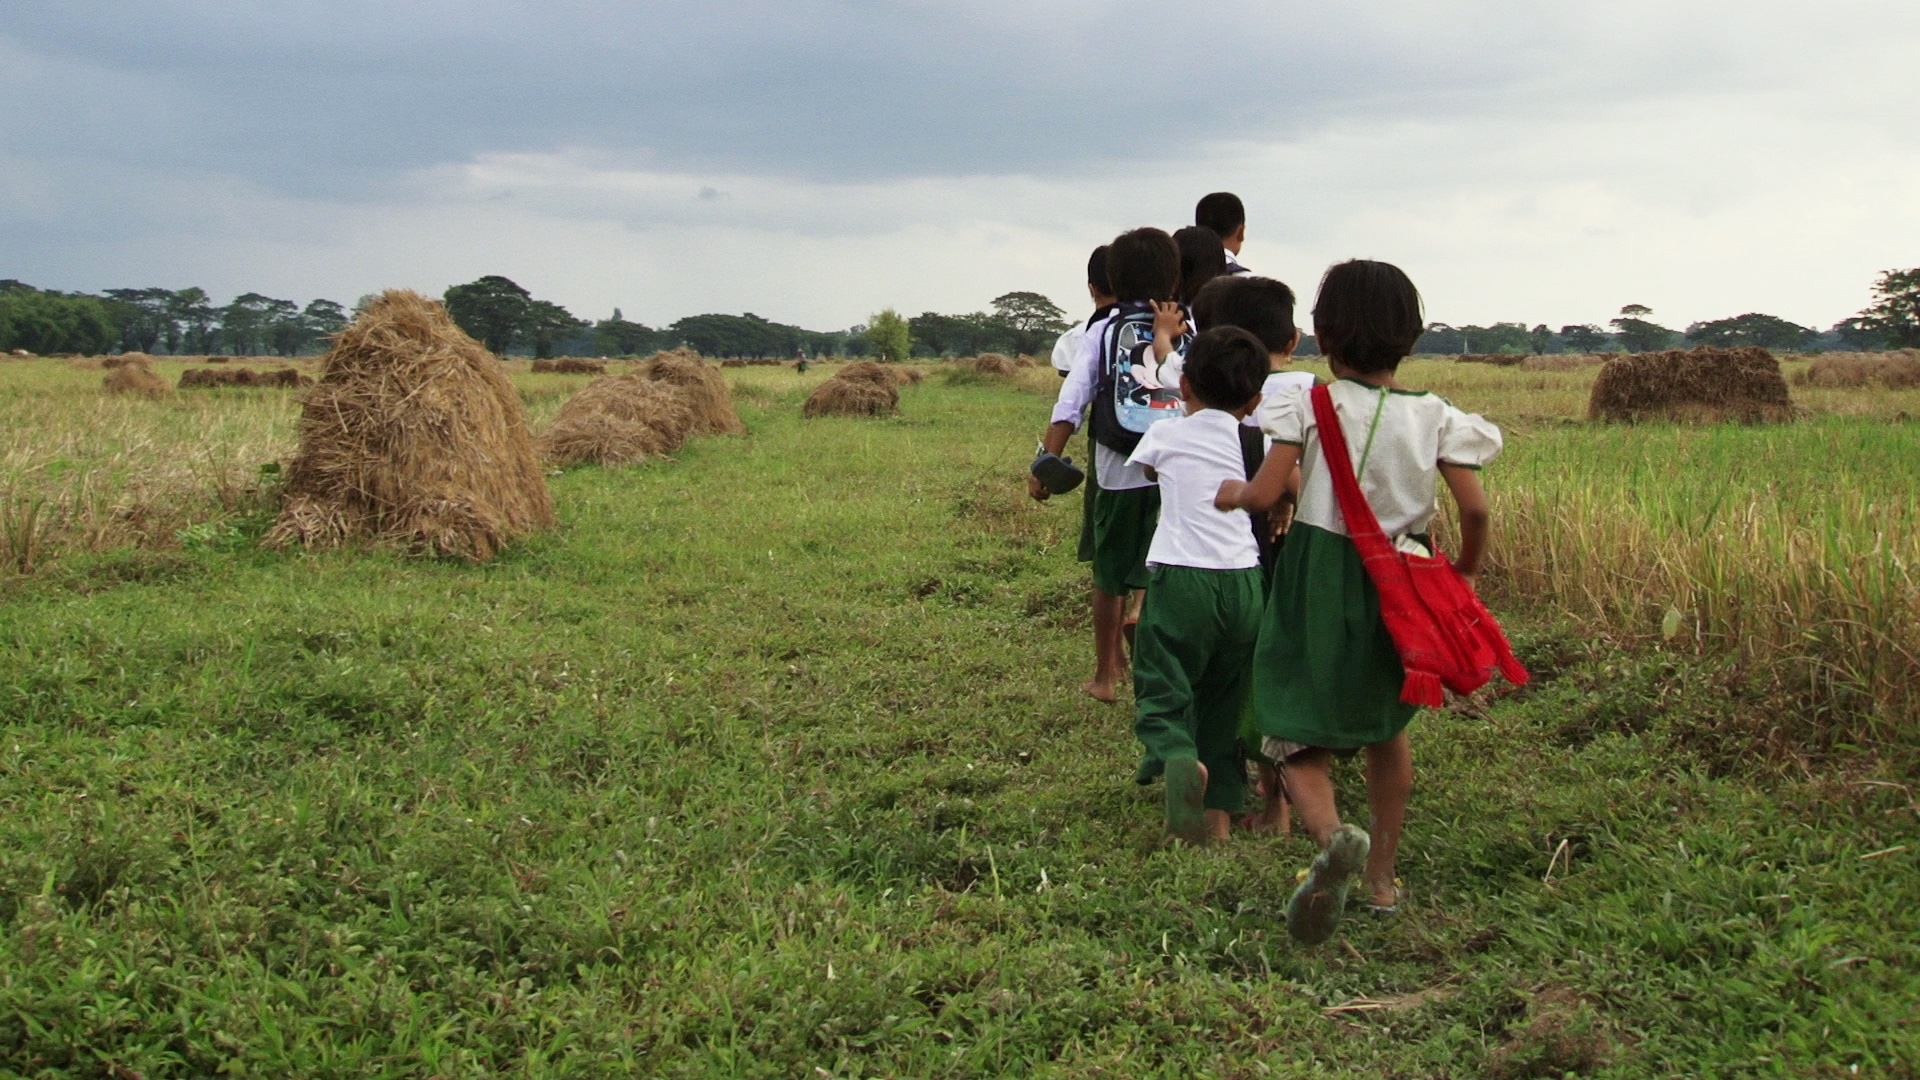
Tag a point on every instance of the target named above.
point(769, 764)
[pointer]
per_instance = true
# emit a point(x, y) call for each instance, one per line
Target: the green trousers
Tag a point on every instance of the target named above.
point(1192, 663)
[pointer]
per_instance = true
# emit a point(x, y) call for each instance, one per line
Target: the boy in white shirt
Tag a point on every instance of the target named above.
point(1224, 213)
point(1067, 348)
point(1193, 650)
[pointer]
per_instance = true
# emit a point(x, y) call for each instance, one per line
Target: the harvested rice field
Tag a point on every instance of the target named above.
point(769, 760)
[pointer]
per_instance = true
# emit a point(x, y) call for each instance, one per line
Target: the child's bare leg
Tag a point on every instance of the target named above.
point(1309, 777)
point(1389, 787)
point(1275, 815)
point(1109, 664)
point(1219, 826)
point(1131, 619)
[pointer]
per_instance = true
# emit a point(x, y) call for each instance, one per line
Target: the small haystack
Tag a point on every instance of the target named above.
point(861, 395)
point(206, 378)
point(619, 420)
point(569, 365)
point(1700, 385)
point(996, 365)
point(135, 376)
point(705, 389)
point(413, 437)
point(908, 376)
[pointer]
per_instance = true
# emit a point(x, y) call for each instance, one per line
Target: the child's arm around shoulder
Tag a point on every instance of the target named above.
point(1468, 441)
point(1274, 480)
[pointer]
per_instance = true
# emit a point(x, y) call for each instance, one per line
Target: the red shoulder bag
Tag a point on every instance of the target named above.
point(1445, 636)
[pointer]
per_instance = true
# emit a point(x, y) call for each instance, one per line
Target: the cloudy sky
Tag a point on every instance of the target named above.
point(816, 160)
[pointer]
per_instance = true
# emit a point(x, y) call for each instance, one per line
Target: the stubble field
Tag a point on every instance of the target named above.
point(768, 763)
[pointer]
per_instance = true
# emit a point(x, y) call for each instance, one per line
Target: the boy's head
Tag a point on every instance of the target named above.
point(1223, 213)
point(1368, 315)
point(1098, 286)
point(1261, 306)
point(1201, 259)
point(1143, 265)
point(1226, 366)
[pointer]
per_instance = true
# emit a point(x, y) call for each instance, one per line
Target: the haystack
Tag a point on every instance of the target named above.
point(996, 365)
point(908, 376)
point(858, 396)
point(212, 377)
point(132, 376)
point(1700, 385)
point(867, 371)
point(569, 365)
point(619, 420)
point(1897, 370)
point(413, 437)
point(111, 362)
point(705, 389)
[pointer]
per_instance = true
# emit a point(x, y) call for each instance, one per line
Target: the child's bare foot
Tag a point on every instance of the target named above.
point(1384, 897)
point(1219, 826)
point(1186, 801)
point(1275, 819)
point(1101, 689)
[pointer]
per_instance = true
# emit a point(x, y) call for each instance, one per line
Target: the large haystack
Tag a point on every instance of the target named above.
point(861, 396)
point(996, 365)
point(413, 437)
point(135, 376)
point(867, 371)
point(705, 388)
point(618, 420)
point(1698, 385)
point(1893, 370)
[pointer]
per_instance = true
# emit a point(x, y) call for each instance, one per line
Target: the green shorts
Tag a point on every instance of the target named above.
point(1123, 523)
point(1087, 492)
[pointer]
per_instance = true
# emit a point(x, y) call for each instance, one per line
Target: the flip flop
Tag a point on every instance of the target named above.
point(1057, 474)
point(1186, 801)
point(1314, 910)
point(1149, 770)
point(1389, 909)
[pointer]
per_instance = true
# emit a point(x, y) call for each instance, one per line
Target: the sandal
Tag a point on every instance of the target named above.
point(1399, 894)
point(1314, 910)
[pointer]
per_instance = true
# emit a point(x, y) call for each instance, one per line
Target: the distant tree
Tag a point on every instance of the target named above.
point(618, 337)
point(1584, 338)
point(321, 320)
point(1766, 331)
point(1636, 334)
point(1896, 314)
point(888, 336)
point(492, 309)
point(54, 322)
point(1540, 339)
point(1035, 320)
point(193, 318)
point(1441, 340)
point(141, 316)
point(247, 325)
point(547, 324)
point(1859, 334)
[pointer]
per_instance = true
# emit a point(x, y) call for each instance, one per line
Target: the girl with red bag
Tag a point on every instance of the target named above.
point(1363, 623)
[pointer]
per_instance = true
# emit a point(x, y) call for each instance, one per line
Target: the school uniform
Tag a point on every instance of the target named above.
point(1128, 504)
point(1201, 617)
point(1326, 673)
point(1066, 350)
point(1233, 265)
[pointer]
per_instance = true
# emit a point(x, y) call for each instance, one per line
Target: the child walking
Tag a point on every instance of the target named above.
point(1194, 646)
point(1327, 678)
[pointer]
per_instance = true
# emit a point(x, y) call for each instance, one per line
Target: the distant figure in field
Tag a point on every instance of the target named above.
point(1223, 213)
point(1327, 677)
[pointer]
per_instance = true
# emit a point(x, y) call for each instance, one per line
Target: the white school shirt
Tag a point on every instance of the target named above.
point(1277, 382)
point(1192, 455)
point(1417, 433)
point(1233, 264)
point(1068, 347)
point(1111, 468)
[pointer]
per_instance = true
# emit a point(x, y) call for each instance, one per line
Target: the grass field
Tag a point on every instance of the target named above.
point(768, 763)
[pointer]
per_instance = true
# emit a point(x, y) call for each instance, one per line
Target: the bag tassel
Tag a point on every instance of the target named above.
point(1514, 672)
point(1422, 688)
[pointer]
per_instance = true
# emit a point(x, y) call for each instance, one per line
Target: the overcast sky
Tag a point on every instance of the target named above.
point(814, 161)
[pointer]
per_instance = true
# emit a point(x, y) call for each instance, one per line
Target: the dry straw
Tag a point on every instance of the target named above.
point(996, 365)
point(413, 437)
point(705, 388)
point(1699, 385)
point(569, 365)
point(1847, 371)
point(619, 420)
point(134, 375)
point(859, 389)
point(212, 377)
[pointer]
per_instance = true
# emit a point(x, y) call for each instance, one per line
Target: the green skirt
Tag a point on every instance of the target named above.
point(1325, 672)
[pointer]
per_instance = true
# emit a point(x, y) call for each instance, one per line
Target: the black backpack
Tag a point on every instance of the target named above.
point(1124, 406)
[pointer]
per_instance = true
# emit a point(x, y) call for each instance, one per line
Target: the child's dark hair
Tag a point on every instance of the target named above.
point(1097, 271)
point(1143, 265)
point(1368, 315)
point(1221, 211)
point(1261, 306)
point(1226, 366)
point(1201, 259)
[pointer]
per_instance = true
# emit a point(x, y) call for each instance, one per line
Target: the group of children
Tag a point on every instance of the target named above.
point(1221, 560)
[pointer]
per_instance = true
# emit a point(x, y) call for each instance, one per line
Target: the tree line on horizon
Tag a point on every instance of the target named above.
point(508, 320)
